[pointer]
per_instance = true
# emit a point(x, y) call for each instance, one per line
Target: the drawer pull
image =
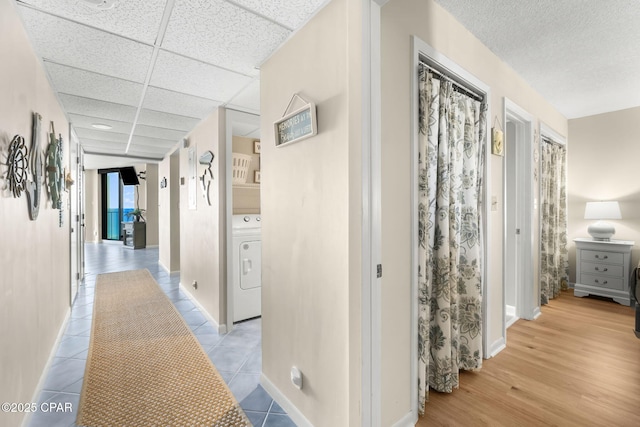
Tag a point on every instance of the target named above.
point(599, 257)
point(604, 269)
point(598, 281)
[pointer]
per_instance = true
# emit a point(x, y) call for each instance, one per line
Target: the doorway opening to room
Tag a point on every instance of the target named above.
point(450, 223)
point(520, 300)
point(244, 231)
point(117, 201)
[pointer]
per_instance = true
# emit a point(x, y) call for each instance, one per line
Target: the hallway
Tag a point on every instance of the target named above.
point(237, 355)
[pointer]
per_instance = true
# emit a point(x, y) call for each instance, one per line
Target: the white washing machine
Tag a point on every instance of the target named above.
point(247, 277)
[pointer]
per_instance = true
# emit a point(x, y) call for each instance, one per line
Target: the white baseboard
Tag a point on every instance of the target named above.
point(408, 420)
point(536, 313)
point(47, 366)
point(167, 270)
point(221, 328)
point(497, 346)
point(296, 416)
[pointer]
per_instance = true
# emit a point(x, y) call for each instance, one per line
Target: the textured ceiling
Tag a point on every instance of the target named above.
point(153, 69)
point(581, 55)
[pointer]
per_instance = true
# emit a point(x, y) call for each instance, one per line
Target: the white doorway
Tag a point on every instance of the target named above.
point(245, 126)
point(76, 214)
point(518, 285)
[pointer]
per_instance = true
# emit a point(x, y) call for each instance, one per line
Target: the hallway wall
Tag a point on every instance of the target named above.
point(312, 218)
point(202, 238)
point(169, 213)
point(34, 255)
point(602, 164)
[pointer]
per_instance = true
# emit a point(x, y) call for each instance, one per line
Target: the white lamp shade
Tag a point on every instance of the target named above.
point(601, 230)
point(602, 210)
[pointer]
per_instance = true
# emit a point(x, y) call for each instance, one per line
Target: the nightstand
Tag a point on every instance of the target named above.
point(603, 268)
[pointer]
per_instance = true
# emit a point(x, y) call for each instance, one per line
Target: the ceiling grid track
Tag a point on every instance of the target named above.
point(154, 57)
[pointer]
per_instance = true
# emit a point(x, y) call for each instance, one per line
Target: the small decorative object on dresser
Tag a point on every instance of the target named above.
point(603, 268)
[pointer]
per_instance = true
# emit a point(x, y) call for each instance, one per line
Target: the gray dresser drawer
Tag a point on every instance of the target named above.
point(601, 256)
point(601, 269)
point(603, 281)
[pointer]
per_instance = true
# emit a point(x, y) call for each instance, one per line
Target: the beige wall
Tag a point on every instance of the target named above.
point(311, 220)
point(400, 20)
point(93, 222)
point(202, 231)
point(152, 186)
point(169, 213)
point(34, 255)
point(603, 163)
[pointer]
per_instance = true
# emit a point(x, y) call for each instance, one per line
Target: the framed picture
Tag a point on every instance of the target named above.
point(256, 146)
point(497, 142)
point(256, 177)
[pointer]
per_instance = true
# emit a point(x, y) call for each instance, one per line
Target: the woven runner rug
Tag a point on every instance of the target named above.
point(145, 367)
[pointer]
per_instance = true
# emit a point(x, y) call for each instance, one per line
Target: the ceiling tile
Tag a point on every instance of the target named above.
point(152, 142)
point(94, 108)
point(290, 13)
point(161, 133)
point(139, 20)
point(101, 135)
point(79, 121)
point(106, 147)
point(222, 33)
point(178, 103)
point(196, 78)
point(154, 154)
point(79, 46)
point(92, 85)
point(248, 99)
point(166, 120)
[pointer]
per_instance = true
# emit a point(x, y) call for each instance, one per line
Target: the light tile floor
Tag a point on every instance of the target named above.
point(237, 355)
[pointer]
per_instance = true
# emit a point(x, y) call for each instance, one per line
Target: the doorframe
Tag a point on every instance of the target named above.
point(371, 226)
point(528, 303)
point(225, 168)
point(422, 50)
point(545, 131)
point(76, 212)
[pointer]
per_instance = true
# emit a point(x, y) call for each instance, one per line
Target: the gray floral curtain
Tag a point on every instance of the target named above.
point(450, 258)
point(554, 256)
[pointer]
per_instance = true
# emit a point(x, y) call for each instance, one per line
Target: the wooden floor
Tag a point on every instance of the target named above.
point(578, 364)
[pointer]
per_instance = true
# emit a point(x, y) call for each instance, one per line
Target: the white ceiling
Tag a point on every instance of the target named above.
point(153, 69)
point(582, 56)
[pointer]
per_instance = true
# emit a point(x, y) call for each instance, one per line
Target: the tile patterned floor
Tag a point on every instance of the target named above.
point(237, 355)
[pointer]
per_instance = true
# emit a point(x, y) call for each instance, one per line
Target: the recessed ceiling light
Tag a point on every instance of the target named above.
point(101, 126)
point(100, 4)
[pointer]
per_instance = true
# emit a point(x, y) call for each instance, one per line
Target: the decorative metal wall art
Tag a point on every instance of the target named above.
point(34, 185)
point(55, 173)
point(207, 176)
point(17, 163)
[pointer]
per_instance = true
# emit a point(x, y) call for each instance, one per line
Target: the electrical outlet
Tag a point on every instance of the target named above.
point(296, 378)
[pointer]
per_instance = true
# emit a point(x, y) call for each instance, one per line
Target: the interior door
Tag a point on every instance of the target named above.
point(74, 219)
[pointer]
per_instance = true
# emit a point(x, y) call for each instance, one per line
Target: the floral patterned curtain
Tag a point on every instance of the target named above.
point(450, 255)
point(554, 256)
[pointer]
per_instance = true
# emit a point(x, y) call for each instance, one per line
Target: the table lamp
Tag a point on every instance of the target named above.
point(601, 230)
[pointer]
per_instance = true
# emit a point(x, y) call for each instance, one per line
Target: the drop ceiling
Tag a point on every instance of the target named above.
point(152, 70)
